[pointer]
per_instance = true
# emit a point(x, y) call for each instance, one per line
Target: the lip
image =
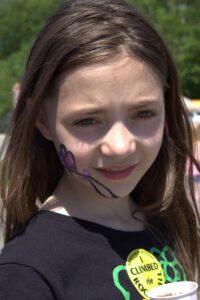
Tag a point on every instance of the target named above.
point(116, 173)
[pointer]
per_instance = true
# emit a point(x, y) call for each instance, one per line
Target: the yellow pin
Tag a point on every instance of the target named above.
point(144, 271)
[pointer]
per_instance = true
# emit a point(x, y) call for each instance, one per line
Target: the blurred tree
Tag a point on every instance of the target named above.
point(20, 20)
point(178, 21)
point(10, 72)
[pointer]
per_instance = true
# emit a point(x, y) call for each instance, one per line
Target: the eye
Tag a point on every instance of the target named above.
point(86, 122)
point(145, 114)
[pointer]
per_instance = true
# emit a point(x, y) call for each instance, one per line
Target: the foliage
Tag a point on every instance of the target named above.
point(19, 22)
point(10, 72)
point(178, 21)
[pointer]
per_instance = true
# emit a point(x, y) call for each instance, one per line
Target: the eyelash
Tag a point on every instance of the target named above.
point(88, 122)
point(146, 114)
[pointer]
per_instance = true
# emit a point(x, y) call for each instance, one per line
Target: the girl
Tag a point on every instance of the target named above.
point(93, 180)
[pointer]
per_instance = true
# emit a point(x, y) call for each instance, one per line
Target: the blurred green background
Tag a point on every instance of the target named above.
point(178, 21)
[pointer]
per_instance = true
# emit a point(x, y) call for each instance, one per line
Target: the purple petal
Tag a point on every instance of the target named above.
point(86, 173)
point(70, 161)
point(61, 158)
point(63, 150)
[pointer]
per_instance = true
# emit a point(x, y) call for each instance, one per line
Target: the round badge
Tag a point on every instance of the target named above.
point(144, 271)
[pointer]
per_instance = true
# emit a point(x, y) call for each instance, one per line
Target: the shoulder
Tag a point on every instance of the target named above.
point(18, 282)
point(47, 240)
point(40, 243)
point(35, 256)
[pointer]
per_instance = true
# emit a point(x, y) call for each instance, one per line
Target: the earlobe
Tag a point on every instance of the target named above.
point(42, 125)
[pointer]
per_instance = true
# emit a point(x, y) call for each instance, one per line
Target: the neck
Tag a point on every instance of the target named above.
point(87, 204)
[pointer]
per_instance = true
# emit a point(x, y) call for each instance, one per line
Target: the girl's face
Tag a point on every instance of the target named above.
point(110, 117)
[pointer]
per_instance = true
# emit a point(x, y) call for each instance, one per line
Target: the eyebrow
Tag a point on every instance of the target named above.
point(145, 103)
point(93, 110)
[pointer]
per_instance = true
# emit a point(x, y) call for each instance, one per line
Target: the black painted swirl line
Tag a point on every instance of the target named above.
point(92, 182)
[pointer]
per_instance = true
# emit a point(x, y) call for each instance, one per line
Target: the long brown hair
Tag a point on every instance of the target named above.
point(83, 32)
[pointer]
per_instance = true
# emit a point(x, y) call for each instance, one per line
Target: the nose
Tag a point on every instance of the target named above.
point(118, 141)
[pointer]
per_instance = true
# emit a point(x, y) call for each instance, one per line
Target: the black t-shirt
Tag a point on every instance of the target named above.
point(60, 257)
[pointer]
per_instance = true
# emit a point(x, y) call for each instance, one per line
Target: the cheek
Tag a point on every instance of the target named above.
point(155, 140)
point(152, 145)
point(82, 152)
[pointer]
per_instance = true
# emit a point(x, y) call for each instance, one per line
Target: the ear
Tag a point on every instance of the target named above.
point(43, 125)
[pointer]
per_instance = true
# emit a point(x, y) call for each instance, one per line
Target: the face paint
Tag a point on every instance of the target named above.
point(67, 158)
point(68, 161)
point(86, 173)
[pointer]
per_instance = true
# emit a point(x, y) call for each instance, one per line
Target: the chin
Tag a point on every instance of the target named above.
point(122, 193)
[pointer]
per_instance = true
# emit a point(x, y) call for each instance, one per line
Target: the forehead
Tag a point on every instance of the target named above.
point(122, 79)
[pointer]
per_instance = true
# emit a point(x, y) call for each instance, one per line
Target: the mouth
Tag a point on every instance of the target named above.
point(116, 173)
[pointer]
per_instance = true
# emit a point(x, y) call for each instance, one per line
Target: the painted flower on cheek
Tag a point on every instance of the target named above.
point(67, 158)
point(68, 161)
